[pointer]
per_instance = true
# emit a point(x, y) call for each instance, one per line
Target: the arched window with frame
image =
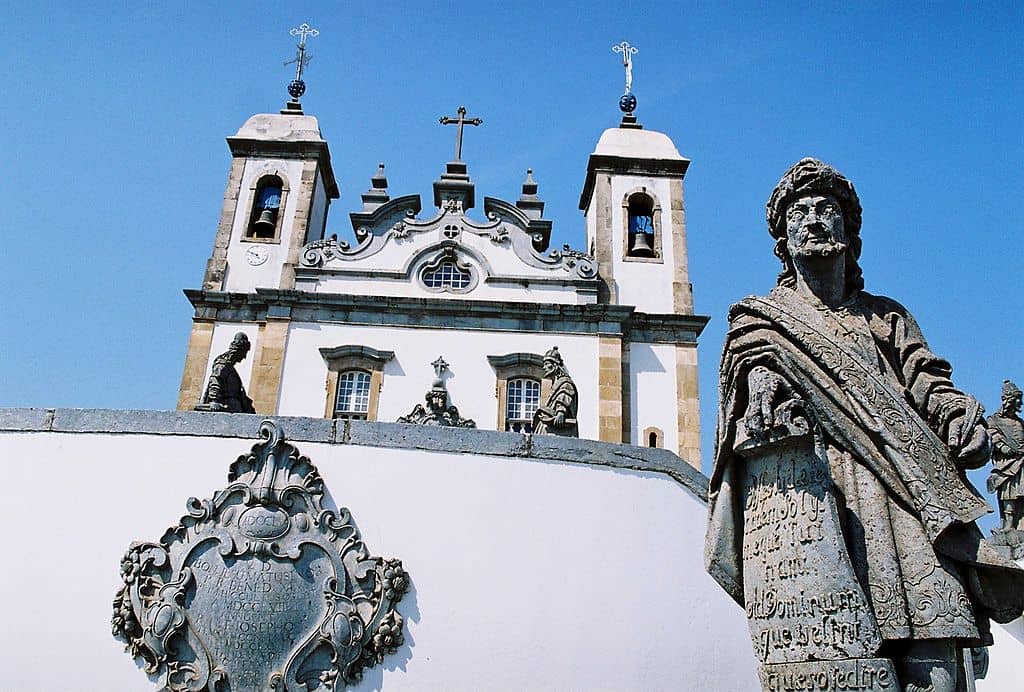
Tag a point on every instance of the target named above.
point(643, 230)
point(264, 220)
point(355, 376)
point(522, 398)
point(353, 398)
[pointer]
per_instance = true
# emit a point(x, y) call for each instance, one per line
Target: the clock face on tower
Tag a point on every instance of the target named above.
point(256, 255)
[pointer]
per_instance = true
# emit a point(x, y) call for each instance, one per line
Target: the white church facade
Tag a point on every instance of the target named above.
point(350, 329)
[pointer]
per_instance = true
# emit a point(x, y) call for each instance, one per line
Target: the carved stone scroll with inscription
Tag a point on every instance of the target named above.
point(811, 625)
point(260, 587)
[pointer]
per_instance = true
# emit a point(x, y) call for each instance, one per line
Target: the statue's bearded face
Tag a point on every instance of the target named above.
point(550, 367)
point(815, 228)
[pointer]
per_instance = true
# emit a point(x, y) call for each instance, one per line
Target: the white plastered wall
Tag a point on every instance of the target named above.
point(241, 275)
point(526, 575)
point(407, 377)
point(653, 401)
point(647, 285)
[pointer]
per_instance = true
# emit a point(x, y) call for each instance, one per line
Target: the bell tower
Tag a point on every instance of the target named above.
point(632, 202)
point(279, 189)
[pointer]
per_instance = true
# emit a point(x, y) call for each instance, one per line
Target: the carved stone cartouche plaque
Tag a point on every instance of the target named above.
point(810, 622)
point(260, 587)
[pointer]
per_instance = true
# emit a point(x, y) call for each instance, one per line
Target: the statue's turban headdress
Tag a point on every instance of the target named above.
point(1010, 389)
point(555, 356)
point(811, 176)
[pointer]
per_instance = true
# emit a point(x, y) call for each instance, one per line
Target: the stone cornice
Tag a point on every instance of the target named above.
point(393, 311)
point(503, 445)
point(244, 147)
point(624, 165)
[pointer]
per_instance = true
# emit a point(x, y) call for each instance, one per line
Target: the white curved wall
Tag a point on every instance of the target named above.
point(527, 575)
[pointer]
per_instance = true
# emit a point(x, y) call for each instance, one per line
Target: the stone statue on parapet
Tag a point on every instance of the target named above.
point(558, 414)
point(1007, 477)
point(438, 410)
point(840, 515)
point(224, 390)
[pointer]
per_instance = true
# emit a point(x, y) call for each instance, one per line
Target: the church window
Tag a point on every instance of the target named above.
point(355, 376)
point(447, 275)
point(353, 400)
point(520, 388)
point(653, 437)
point(643, 229)
point(264, 221)
point(521, 402)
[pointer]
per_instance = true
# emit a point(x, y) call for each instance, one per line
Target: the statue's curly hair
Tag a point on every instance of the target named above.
point(809, 176)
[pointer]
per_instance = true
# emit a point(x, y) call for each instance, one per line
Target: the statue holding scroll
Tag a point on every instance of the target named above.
point(840, 515)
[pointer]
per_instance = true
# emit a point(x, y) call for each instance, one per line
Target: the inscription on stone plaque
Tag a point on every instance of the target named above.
point(260, 587)
point(811, 625)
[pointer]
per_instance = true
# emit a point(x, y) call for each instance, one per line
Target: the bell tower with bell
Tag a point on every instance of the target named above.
point(633, 204)
point(632, 201)
point(279, 189)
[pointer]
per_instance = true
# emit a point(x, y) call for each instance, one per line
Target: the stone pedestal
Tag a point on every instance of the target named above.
point(810, 623)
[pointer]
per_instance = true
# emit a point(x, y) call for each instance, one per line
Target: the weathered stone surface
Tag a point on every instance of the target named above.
point(859, 674)
point(803, 601)
point(224, 390)
point(260, 587)
point(501, 445)
point(883, 481)
point(557, 416)
point(1007, 477)
point(439, 410)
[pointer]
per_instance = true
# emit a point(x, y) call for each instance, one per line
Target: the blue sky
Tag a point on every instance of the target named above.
point(114, 152)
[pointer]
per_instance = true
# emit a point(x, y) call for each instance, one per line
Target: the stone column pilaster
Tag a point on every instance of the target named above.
point(194, 378)
point(609, 404)
point(682, 289)
point(268, 363)
point(217, 265)
point(688, 402)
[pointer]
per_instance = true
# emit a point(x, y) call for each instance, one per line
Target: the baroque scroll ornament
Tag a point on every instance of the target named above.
point(260, 587)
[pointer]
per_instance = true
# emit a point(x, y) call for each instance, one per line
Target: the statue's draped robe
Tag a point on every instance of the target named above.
point(1007, 478)
point(225, 387)
point(882, 404)
point(563, 398)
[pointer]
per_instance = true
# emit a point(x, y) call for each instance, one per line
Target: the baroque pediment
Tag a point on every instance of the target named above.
point(386, 224)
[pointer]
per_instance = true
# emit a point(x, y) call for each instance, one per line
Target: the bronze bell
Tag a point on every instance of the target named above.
point(267, 222)
point(641, 246)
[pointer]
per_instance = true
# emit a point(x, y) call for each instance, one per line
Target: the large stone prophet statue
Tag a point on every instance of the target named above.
point(840, 515)
point(558, 414)
point(224, 390)
point(1007, 477)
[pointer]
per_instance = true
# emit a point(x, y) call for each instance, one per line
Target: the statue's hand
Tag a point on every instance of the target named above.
point(973, 453)
point(559, 419)
point(765, 389)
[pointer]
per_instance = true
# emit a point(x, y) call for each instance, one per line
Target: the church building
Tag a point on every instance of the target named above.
point(459, 300)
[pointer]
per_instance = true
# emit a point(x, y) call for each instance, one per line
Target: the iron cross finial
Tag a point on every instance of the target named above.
point(461, 121)
point(297, 88)
point(628, 52)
